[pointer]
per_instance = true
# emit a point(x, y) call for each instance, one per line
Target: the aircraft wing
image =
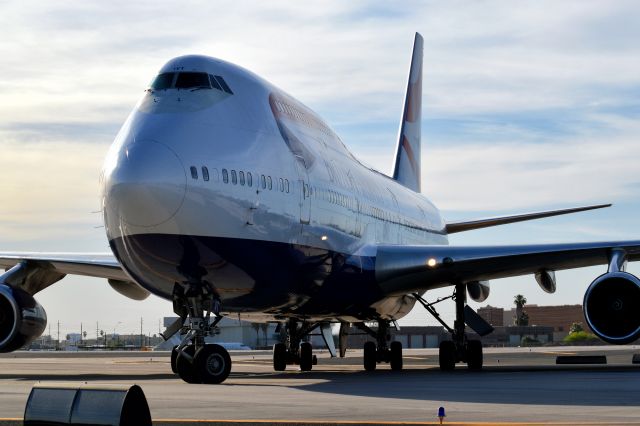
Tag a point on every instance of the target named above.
point(453, 227)
point(43, 269)
point(404, 269)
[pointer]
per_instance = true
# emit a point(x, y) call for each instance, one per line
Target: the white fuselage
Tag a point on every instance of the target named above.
point(246, 189)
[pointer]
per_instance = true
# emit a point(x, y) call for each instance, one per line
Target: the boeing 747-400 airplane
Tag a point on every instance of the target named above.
point(223, 194)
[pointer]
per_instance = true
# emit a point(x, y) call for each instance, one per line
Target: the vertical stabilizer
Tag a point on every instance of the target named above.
point(407, 164)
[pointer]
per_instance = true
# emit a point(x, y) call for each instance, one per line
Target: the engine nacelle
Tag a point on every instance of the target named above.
point(611, 306)
point(22, 319)
point(478, 290)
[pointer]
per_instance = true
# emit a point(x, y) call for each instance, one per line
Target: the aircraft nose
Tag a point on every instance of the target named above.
point(147, 186)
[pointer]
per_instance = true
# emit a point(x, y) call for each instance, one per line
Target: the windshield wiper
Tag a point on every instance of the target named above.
point(200, 87)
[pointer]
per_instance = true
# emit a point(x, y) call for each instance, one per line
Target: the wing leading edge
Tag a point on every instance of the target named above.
point(34, 272)
point(404, 269)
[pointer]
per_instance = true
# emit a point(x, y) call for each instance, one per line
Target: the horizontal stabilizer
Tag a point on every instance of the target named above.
point(454, 227)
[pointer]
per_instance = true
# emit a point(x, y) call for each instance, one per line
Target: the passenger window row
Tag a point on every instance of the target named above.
point(242, 178)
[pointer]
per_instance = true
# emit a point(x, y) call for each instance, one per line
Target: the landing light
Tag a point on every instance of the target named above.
point(324, 238)
point(431, 262)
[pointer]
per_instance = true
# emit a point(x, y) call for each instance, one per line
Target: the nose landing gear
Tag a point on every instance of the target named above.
point(194, 360)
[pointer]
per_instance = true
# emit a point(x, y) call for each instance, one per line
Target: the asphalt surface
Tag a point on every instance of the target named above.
point(517, 385)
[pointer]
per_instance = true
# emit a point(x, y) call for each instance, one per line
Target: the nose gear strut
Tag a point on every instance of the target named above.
point(195, 360)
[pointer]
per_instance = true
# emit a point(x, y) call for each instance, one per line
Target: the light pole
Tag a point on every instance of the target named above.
point(113, 338)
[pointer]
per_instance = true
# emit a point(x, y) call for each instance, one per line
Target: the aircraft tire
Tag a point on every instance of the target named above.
point(447, 355)
point(396, 356)
point(474, 355)
point(306, 356)
point(184, 367)
point(369, 356)
point(212, 364)
point(279, 357)
point(174, 357)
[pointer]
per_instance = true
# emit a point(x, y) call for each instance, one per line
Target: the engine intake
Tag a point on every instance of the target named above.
point(22, 319)
point(611, 306)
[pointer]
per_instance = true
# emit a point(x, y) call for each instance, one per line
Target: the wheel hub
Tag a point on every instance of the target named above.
point(215, 364)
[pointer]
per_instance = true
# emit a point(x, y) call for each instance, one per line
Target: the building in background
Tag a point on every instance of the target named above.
point(559, 318)
point(494, 316)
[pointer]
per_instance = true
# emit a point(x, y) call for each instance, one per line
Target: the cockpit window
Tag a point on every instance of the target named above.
point(223, 84)
point(163, 81)
point(192, 80)
point(214, 83)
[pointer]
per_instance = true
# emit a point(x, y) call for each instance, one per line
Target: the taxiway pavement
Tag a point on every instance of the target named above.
point(517, 385)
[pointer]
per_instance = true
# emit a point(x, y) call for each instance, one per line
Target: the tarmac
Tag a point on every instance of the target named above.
point(517, 386)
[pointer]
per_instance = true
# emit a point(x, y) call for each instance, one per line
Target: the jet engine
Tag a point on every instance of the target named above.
point(611, 306)
point(478, 290)
point(22, 319)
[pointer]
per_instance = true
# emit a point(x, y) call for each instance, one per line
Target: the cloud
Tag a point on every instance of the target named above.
point(51, 190)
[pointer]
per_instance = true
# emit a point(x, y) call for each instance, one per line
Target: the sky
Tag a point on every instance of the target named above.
point(527, 106)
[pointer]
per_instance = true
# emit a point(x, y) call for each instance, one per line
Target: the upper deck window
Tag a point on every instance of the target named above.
point(163, 81)
point(192, 80)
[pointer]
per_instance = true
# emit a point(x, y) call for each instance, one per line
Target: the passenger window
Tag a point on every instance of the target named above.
point(281, 185)
point(194, 172)
point(241, 178)
point(225, 176)
point(269, 184)
point(249, 179)
point(205, 173)
point(234, 177)
point(286, 185)
point(263, 181)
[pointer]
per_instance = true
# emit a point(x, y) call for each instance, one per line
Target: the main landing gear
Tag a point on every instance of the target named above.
point(459, 348)
point(380, 351)
point(194, 360)
point(293, 350)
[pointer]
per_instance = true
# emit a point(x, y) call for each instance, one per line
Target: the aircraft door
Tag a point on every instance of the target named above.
point(305, 191)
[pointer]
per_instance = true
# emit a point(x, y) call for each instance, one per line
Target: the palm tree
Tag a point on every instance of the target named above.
point(521, 317)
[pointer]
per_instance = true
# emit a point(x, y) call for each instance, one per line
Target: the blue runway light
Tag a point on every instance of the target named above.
point(441, 414)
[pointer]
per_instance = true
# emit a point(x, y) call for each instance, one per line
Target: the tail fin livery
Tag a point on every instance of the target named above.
point(407, 165)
